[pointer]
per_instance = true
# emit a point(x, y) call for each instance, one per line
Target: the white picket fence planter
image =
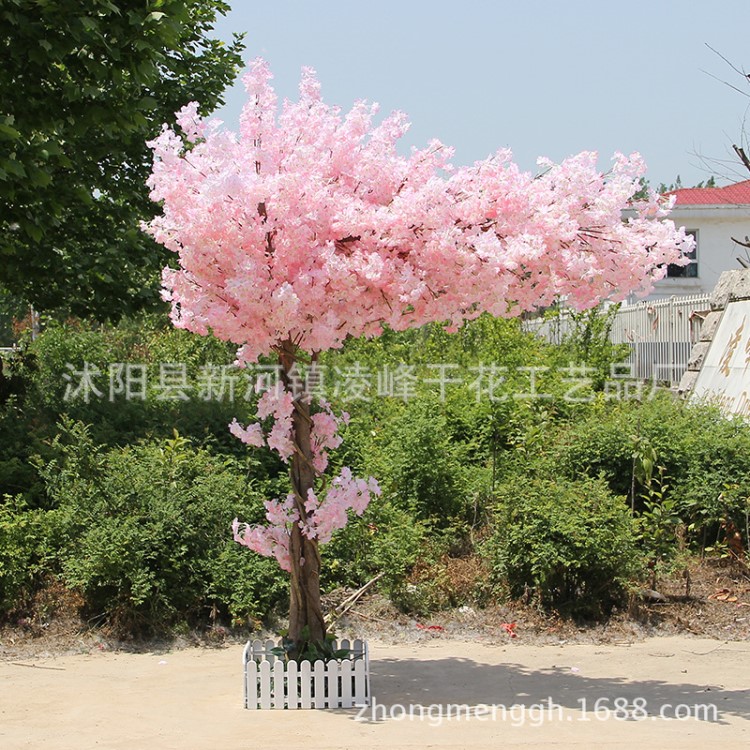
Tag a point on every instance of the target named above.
point(272, 683)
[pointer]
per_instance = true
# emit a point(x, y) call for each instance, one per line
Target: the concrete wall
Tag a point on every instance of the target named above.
point(732, 286)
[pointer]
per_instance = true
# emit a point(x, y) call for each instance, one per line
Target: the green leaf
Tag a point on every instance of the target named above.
point(7, 133)
point(148, 102)
point(91, 94)
point(15, 167)
point(33, 231)
point(90, 23)
point(39, 177)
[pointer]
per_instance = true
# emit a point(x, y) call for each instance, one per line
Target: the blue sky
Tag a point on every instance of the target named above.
point(543, 77)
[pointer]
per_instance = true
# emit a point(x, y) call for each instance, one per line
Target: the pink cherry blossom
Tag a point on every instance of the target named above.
point(345, 493)
point(251, 435)
point(280, 404)
point(311, 225)
point(325, 435)
point(270, 541)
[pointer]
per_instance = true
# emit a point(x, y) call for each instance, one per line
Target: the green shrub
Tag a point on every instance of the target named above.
point(141, 519)
point(12, 310)
point(385, 539)
point(64, 352)
point(426, 469)
point(598, 445)
point(21, 553)
point(587, 342)
point(701, 451)
point(443, 582)
point(245, 585)
point(716, 483)
point(571, 544)
point(142, 531)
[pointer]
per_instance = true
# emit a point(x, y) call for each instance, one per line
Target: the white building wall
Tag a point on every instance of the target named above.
point(716, 225)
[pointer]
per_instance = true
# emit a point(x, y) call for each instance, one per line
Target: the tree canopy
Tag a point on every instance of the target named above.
point(83, 86)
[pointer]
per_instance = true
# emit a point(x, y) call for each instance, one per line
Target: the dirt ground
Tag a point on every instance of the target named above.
point(709, 599)
point(530, 680)
point(667, 692)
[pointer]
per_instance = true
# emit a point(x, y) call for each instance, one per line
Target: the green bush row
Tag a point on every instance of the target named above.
point(570, 498)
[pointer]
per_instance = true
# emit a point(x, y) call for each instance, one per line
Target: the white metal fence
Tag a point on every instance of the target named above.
point(660, 334)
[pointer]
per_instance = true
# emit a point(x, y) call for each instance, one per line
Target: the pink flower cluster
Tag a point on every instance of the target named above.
point(345, 493)
point(250, 435)
point(280, 405)
point(322, 517)
point(325, 436)
point(308, 224)
point(270, 541)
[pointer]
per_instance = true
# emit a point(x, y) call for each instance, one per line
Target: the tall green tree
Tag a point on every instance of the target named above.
point(83, 86)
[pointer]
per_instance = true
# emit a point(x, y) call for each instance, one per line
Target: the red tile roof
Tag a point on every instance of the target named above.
point(717, 196)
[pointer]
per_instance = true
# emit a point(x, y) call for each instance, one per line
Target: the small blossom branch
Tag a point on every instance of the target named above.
point(319, 514)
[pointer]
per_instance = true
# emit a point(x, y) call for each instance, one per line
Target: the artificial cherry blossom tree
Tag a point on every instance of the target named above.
point(309, 227)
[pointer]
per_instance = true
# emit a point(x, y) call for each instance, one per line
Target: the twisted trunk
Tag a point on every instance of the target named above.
point(305, 609)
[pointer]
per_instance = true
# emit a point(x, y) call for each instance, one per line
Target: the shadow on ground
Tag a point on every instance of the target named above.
point(405, 682)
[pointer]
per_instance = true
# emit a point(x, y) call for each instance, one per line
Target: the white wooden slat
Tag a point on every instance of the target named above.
point(278, 697)
point(251, 685)
point(245, 659)
point(319, 698)
point(306, 685)
point(345, 670)
point(361, 694)
point(265, 685)
point(332, 684)
point(366, 659)
point(292, 685)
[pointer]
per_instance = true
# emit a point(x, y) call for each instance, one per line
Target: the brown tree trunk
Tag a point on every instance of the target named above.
point(305, 609)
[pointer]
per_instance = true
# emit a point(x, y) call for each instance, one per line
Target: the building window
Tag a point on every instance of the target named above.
point(690, 271)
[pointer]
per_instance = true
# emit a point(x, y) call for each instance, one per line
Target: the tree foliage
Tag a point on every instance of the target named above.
point(84, 86)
